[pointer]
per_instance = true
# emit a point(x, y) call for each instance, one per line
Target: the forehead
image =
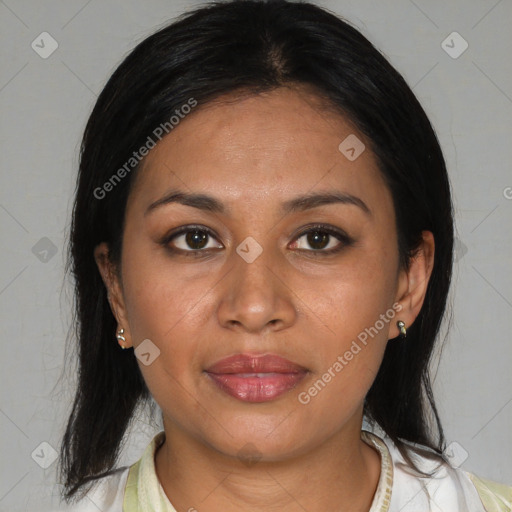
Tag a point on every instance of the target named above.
point(254, 148)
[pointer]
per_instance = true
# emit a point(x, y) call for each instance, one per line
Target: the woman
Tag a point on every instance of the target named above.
point(262, 243)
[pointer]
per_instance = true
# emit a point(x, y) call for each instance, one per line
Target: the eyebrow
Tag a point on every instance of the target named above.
point(298, 204)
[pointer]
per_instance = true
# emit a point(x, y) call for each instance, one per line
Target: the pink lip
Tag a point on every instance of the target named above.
point(256, 378)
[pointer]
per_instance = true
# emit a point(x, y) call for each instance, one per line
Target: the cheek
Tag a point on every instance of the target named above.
point(355, 308)
point(162, 310)
point(157, 300)
point(350, 354)
point(355, 294)
point(170, 312)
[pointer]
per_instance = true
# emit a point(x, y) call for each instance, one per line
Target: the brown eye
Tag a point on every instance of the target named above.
point(322, 239)
point(192, 239)
point(318, 239)
point(196, 239)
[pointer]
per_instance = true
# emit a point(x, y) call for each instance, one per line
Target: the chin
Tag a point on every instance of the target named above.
point(266, 445)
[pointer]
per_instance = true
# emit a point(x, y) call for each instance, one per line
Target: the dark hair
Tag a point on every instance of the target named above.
point(251, 47)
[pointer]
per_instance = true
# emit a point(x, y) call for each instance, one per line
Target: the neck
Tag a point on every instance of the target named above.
point(342, 474)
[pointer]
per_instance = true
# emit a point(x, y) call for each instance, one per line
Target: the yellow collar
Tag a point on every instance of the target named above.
point(144, 493)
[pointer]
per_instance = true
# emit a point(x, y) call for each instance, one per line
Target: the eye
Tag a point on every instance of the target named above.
point(191, 239)
point(197, 240)
point(323, 239)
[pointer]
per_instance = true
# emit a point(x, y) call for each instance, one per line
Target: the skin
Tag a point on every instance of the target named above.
point(252, 154)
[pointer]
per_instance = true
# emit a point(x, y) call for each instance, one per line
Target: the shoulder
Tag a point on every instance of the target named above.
point(106, 494)
point(110, 493)
point(447, 488)
point(495, 496)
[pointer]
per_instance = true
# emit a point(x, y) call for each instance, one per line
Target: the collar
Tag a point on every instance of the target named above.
point(144, 493)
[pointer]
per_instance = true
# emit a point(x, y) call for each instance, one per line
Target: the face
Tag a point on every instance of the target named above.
point(254, 271)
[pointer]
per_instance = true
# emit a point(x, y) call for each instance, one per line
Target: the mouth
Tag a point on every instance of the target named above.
point(255, 378)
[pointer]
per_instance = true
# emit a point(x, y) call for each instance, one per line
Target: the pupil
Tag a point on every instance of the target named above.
point(315, 239)
point(196, 237)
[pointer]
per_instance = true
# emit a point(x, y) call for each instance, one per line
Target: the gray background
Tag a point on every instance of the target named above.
point(45, 104)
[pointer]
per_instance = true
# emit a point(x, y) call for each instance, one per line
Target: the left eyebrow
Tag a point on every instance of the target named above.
point(314, 200)
point(199, 201)
point(301, 203)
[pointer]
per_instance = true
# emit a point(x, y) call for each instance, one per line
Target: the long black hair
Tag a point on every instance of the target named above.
point(249, 46)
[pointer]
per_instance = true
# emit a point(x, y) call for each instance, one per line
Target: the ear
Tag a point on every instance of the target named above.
point(412, 283)
point(112, 283)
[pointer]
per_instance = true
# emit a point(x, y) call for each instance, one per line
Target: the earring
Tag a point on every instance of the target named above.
point(120, 338)
point(403, 330)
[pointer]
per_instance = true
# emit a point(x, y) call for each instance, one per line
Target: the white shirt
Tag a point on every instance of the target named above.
point(400, 487)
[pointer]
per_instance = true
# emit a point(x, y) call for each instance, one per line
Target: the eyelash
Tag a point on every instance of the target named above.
point(344, 239)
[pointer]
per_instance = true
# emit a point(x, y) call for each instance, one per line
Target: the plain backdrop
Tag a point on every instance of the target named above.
point(45, 103)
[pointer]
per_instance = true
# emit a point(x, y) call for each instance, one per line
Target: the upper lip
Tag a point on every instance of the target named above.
point(252, 363)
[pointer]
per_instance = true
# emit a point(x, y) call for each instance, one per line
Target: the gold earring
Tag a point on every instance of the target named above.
point(403, 330)
point(120, 338)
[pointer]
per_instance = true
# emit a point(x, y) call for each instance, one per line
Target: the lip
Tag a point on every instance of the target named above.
point(255, 363)
point(256, 378)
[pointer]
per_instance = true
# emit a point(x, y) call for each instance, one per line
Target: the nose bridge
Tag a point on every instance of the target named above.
point(252, 264)
point(255, 294)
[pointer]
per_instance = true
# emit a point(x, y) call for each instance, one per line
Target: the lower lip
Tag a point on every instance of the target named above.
point(256, 388)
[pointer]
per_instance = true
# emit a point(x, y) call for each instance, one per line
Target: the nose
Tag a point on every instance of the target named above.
point(256, 296)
